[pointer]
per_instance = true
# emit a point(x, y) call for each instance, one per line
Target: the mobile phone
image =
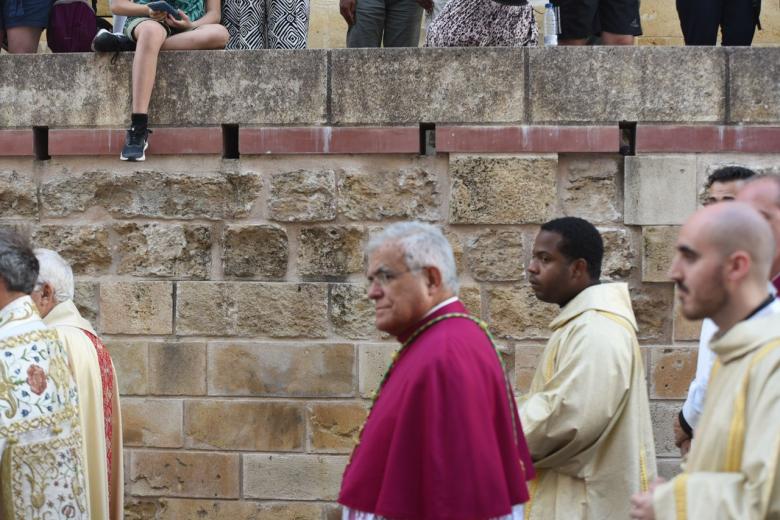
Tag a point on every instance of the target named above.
point(162, 5)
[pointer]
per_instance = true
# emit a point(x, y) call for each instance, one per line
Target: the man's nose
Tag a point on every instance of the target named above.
point(375, 290)
point(533, 267)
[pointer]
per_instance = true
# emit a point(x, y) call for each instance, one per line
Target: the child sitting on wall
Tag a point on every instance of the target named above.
point(153, 31)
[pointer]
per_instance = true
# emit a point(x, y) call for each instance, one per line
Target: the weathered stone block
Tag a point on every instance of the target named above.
point(663, 415)
point(183, 474)
point(684, 329)
point(753, 93)
point(136, 307)
point(527, 358)
point(152, 422)
point(627, 83)
point(456, 242)
point(222, 195)
point(293, 89)
point(85, 248)
point(18, 194)
point(407, 193)
point(351, 311)
point(303, 196)
point(495, 255)
point(334, 427)
point(286, 310)
point(659, 190)
point(164, 250)
point(449, 85)
point(671, 371)
point(255, 251)
point(499, 189)
point(652, 304)
point(131, 362)
point(243, 425)
point(140, 508)
point(516, 313)
point(658, 250)
point(177, 368)
point(592, 187)
point(330, 251)
point(619, 253)
point(373, 361)
point(281, 369)
point(250, 309)
point(190, 509)
point(471, 298)
point(60, 98)
point(292, 477)
point(86, 297)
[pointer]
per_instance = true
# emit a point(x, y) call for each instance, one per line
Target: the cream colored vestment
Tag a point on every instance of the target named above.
point(67, 320)
point(587, 417)
point(733, 469)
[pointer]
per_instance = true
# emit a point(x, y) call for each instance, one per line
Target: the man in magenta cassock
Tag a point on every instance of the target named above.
point(443, 439)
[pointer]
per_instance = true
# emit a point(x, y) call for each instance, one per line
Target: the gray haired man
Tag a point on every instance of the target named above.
point(101, 421)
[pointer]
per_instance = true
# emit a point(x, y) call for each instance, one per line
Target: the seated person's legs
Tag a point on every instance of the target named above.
point(24, 39)
point(23, 31)
point(205, 37)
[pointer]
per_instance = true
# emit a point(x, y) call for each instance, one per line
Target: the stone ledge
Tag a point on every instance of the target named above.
point(386, 87)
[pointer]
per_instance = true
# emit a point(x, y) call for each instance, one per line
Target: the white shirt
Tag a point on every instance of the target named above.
point(694, 403)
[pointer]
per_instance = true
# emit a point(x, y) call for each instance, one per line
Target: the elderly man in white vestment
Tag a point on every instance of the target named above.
point(96, 381)
point(587, 416)
point(40, 439)
point(724, 254)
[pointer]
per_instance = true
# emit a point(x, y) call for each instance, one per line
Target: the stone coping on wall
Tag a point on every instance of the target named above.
point(396, 87)
point(404, 140)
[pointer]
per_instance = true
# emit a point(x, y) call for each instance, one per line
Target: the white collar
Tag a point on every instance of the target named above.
point(439, 306)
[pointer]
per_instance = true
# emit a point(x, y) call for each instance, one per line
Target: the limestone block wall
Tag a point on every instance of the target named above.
point(230, 295)
point(230, 291)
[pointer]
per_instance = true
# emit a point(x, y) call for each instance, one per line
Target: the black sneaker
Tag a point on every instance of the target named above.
point(106, 41)
point(136, 142)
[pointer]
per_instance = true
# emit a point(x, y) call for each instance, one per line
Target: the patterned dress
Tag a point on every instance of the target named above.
point(40, 437)
point(483, 23)
point(266, 24)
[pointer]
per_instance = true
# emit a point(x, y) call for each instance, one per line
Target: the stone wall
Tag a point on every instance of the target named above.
point(230, 291)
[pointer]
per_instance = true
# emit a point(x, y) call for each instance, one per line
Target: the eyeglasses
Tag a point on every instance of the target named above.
point(384, 277)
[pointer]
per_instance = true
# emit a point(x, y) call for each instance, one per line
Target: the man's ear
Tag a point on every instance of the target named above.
point(579, 270)
point(738, 266)
point(432, 278)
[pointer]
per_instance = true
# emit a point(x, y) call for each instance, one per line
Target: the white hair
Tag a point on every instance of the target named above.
point(55, 271)
point(423, 245)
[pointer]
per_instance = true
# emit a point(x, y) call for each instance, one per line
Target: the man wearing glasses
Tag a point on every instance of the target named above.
point(443, 438)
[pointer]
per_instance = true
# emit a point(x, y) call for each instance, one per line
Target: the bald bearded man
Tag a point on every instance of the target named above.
point(724, 254)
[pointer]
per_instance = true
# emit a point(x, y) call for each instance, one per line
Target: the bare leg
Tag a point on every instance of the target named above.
point(583, 41)
point(149, 37)
point(23, 40)
point(210, 36)
point(608, 38)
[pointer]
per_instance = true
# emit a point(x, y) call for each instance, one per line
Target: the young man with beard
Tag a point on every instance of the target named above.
point(724, 254)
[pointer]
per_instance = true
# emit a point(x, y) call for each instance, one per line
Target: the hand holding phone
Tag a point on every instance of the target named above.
point(165, 7)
